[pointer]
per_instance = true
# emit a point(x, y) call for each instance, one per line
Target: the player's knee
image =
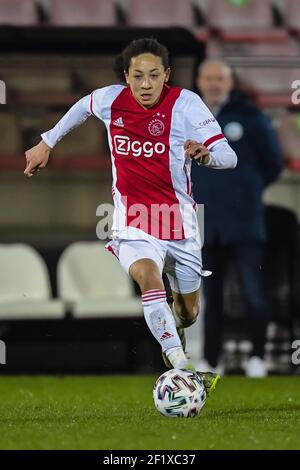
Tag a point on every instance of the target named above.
point(150, 280)
point(192, 313)
point(147, 275)
point(188, 312)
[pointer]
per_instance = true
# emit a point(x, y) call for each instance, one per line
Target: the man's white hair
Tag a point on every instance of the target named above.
point(215, 62)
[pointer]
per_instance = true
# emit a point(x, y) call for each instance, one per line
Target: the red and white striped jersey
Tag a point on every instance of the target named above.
point(151, 174)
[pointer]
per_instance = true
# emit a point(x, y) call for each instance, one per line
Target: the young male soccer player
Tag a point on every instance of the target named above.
point(153, 130)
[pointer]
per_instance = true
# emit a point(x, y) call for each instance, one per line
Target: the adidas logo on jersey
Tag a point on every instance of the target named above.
point(119, 122)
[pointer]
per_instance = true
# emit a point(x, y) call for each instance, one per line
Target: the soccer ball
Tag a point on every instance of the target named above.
point(179, 393)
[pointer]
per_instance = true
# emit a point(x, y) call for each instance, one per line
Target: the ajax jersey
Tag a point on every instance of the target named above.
point(151, 187)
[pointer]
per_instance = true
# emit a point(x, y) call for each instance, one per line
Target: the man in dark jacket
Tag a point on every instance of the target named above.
point(233, 209)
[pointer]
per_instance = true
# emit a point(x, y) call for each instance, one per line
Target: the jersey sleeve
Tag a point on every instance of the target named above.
point(77, 114)
point(222, 157)
point(201, 125)
point(96, 101)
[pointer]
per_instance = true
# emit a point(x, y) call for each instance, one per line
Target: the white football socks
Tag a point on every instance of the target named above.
point(160, 319)
point(161, 323)
point(178, 359)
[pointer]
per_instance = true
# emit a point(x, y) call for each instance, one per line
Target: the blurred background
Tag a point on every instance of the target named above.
point(65, 304)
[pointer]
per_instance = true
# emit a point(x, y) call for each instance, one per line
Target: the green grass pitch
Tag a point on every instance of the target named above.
point(117, 412)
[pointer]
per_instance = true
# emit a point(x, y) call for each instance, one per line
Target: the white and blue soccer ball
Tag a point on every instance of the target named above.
point(179, 393)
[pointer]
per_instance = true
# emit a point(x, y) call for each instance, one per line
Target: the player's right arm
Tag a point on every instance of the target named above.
point(38, 156)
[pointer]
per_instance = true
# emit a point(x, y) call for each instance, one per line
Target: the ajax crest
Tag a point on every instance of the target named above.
point(156, 127)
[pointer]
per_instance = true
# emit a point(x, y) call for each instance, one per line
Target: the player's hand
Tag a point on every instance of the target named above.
point(37, 157)
point(197, 152)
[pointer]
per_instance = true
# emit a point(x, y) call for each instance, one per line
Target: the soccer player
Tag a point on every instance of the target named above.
point(153, 131)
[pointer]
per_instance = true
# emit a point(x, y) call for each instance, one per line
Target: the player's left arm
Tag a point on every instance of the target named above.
point(221, 156)
point(205, 141)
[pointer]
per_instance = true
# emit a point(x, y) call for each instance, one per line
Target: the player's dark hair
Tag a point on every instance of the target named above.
point(137, 47)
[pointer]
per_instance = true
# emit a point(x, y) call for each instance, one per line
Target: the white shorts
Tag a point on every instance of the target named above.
point(181, 260)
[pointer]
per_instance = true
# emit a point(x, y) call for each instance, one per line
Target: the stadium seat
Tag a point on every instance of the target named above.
point(280, 6)
point(270, 85)
point(91, 78)
point(83, 149)
point(86, 139)
point(93, 284)
point(9, 127)
point(289, 135)
point(243, 20)
point(18, 12)
point(292, 16)
point(79, 13)
point(256, 54)
point(35, 80)
point(288, 48)
point(24, 285)
point(11, 149)
point(157, 13)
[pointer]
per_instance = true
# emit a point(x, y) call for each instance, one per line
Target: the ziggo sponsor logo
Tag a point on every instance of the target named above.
point(124, 146)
